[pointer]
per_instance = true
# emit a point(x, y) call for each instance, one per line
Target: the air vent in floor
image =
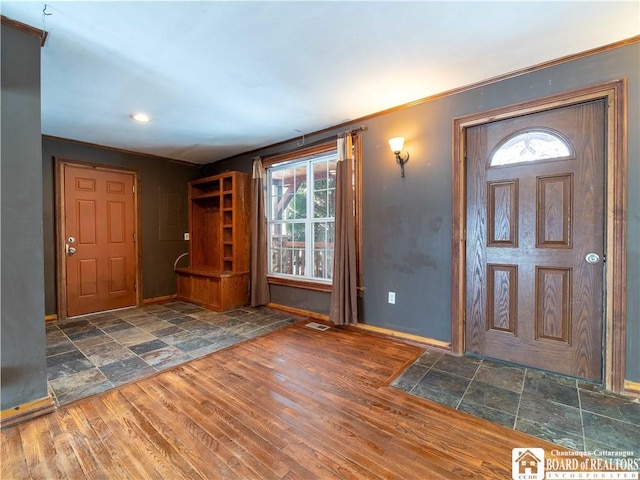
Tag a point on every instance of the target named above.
point(317, 326)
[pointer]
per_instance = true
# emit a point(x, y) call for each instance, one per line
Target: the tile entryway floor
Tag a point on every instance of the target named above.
point(562, 410)
point(93, 353)
point(90, 354)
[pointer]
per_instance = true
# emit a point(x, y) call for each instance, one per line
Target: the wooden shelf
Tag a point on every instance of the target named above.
point(204, 272)
point(219, 224)
point(205, 196)
point(204, 187)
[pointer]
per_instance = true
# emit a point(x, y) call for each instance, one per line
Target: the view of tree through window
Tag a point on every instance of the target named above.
point(301, 217)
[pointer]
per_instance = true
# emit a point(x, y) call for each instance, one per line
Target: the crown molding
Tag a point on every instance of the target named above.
point(23, 27)
point(455, 91)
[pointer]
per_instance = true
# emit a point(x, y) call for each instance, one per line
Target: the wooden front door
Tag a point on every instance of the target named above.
point(535, 239)
point(99, 239)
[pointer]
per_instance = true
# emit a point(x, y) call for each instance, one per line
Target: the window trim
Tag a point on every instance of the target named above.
point(298, 154)
point(319, 285)
point(303, 283)
point(284, 160)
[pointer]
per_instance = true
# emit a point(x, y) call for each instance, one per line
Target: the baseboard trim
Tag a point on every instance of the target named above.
point(165, 298)
point(299, 311)
point(632, 388)
point(147, 301)
point(407, 337)
point(27, 411)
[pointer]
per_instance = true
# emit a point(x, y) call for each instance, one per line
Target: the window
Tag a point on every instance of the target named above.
point(301, 213)
point(530, 146)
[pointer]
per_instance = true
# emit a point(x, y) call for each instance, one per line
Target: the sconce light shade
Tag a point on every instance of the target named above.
point(396, 144)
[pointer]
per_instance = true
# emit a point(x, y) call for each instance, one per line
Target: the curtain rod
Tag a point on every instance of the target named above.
point(353, 131)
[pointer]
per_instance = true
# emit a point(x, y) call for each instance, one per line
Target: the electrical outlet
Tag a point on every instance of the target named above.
point(392, 297)
point(186, 236)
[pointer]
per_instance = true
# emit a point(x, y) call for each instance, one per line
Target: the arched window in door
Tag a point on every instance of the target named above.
point(531, 145)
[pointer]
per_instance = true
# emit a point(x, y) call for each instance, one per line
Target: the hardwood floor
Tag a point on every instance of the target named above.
point(294, 404)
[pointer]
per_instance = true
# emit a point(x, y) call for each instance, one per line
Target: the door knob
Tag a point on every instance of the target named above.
point(592, 258)
point(69, 250)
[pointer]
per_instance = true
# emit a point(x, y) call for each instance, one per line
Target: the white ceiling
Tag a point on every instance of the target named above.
point(222, 78)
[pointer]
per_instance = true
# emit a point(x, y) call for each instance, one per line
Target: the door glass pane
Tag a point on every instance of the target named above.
point(530, 146)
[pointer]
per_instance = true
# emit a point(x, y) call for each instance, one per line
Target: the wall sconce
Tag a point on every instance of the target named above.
point(396, 145)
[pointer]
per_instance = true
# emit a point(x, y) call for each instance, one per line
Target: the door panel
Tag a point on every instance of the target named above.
point(502, 288)
point(100, 220)
point(553, 304)
point(531, 296)
point(553, 218)
point(502, 213)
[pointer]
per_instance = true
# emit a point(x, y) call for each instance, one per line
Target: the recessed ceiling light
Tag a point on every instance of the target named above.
point(141, 117)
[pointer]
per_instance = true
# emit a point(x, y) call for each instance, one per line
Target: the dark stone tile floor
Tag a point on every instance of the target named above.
point(93, 353)
point(90, 354)
point(562, 410)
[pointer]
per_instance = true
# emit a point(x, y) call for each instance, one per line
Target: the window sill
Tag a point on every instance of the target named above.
point(296, 283)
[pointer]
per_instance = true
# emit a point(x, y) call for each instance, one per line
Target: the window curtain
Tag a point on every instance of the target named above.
point(344, 309)
point(259, 251)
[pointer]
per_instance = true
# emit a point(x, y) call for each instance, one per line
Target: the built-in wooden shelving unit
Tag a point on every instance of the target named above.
point(219, 249)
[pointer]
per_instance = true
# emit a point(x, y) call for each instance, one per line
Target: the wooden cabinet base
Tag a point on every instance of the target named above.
point(219, 291)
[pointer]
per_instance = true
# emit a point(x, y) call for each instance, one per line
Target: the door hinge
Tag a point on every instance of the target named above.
point(135, 286)
point(134, 237)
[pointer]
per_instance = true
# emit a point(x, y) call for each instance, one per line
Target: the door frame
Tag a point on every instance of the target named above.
point(61, 265)
point(615, 282)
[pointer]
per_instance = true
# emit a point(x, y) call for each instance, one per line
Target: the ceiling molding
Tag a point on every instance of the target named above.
point(349, 123)
point(517, 73)
point(23, 27)
point(455, 91)
point(121, 150)
point(212, 99)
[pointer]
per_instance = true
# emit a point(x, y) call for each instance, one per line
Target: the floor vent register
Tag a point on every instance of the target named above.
point(317, 326)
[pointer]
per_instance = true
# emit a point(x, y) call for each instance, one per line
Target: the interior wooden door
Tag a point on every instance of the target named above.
point(99, 235)
point(535, 239)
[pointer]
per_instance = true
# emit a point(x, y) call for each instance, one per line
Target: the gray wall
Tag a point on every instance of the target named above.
point(407, 222)
point(157, 177)
point(24, 375)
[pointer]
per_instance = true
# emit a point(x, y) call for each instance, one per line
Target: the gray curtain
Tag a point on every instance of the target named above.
point(259, 252)
point(344, 309)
